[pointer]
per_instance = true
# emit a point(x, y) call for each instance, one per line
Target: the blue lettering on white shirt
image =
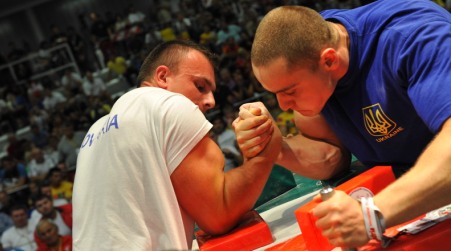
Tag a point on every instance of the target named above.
point(89, 138)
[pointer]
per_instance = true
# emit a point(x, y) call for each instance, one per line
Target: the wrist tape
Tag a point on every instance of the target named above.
point(374, 221)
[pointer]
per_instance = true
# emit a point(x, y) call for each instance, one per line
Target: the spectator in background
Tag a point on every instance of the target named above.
point(229, 114)
point(119, 27)
point(100, 37)
point(19, 236)
point(47, 231)
point(16, 147)
point(5, 223)
point(78, 48)
point(182, 27)
point(17, 101)
point(230, 49)
point(39, 137)
point(250, 19)
point(39, 165)
point(58, 36)
point(60, 188)
point(208, 37)
point(35, 92)
point(134, 16)
point(98, 29)
point(285, 122)
point(5, 210)
point(241, 90)
point(72, 82)
point(227, 30)
point(135, 31)
point(119, 33)
point(93, 86)
point(5, 202)
point(69, 144)
point(164, 15)
point(27, 154)
point(98, 107)
point(224, 94)
point(118, 65)
point(46, 188)
point(13, 173)
point(38, 117)
point(44, 59)
point(52, 148)
point(45, 209)
point(52, 99)
point(34, 190)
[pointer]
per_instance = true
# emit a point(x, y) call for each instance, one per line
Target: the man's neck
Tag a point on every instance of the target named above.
point(56, 245)
point(342, 48)
point(52, 215)
point(342, 34)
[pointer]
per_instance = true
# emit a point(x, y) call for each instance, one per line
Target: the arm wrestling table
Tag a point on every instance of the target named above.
point(286, 220)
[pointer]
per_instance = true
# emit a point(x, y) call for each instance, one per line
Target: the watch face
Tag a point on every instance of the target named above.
point(360, 192)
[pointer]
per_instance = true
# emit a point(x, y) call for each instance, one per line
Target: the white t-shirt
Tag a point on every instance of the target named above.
point(72, 80)
point(36, 169)
point(123, 197)
point(94, 88)
point(19, 238)
point(63, 229)
point(56, 98)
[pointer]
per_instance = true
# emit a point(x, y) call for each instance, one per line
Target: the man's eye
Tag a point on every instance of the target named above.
point(289, 92)
point(200, 87)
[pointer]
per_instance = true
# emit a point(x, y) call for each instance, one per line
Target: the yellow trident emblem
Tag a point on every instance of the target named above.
point(377, 123)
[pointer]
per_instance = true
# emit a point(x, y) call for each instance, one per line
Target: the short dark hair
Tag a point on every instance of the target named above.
point(39, 197)
point(16, 207)
point(169, 54)
point(53, 170)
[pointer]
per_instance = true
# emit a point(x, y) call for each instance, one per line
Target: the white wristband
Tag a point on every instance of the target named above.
point(374, 221)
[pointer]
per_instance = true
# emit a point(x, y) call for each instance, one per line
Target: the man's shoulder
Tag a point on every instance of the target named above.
point(65, 209)
point(67, 184)
point(9, 233)
point(158, 95)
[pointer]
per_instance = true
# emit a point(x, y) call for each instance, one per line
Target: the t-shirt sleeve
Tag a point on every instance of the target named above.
point(427, 58)
point(22, 170)
point(184, 126)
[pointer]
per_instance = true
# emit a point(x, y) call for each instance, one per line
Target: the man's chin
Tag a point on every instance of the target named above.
point(307, 113)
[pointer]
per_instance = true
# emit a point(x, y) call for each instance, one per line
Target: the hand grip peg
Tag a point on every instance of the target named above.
point(326, 192)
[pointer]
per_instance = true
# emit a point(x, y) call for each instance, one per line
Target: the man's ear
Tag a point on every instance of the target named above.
point(329, 59)
point(161, 74)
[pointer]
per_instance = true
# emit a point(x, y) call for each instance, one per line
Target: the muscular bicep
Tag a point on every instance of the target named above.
point(198, 183)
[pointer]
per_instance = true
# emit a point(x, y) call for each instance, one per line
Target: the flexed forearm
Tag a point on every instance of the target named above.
point(312, 158)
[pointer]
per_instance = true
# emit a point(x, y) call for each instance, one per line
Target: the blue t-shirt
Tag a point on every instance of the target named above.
point(397, 91)
point(19, 172)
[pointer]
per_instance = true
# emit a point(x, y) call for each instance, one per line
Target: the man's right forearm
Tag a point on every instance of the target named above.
point(312, 158)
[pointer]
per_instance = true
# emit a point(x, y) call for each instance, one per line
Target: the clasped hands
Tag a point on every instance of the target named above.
point(253, 128)
point(340, 218)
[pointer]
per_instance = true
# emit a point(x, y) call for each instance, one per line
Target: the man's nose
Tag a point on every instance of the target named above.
point(209, 102)
point(284, 104)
